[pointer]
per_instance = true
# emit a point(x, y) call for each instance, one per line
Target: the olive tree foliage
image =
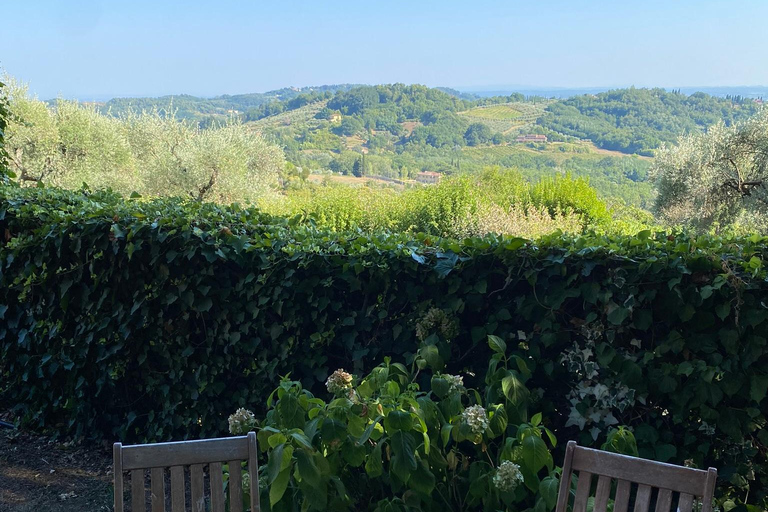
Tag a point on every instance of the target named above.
point(4, 115)
point(223, 164)
point(720, 176)
point(69, 144)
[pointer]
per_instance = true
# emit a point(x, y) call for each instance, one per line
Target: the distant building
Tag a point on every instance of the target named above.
point(531, 137)
point(335, 117)
point(759, 101)
point(429, 177)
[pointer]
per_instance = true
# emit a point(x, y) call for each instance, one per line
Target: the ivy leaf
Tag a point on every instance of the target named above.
point(418, 258)
point(617, 314)
point(758, 387)
point(665, 452)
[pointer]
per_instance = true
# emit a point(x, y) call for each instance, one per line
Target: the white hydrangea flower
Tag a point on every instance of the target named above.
point(340, 382)
point(247, 483)
point(456, 381)
point(507, 476)
point(476, 417)
point(242, 422)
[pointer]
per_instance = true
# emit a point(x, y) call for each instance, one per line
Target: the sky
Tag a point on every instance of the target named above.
point(91, 49)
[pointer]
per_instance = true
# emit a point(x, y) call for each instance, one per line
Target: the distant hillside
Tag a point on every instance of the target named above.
point(208, 109)
point(640, 120)
point(398, 130)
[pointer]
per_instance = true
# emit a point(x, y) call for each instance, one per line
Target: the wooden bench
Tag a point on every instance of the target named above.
point(639, 480)
point(196, 455)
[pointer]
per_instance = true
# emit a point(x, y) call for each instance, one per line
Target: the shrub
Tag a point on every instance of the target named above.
point(150, 320)
point(383, 443)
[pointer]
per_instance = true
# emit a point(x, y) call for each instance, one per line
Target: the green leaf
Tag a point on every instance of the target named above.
point(549, 488)
point(403, 455)
point(497, 344)
point(758, 387)
point(499, 421)
point(617, 314)
point(302, 440)
point(374, 466)
point(308, 470)
point(665, 452)
point(422, 480)
point(278, 487)
point(398, 420)
point(431, 355)
point(274, 462)
point(514, 390)
point(368, 431)
point(440, 386)
point(535, 453)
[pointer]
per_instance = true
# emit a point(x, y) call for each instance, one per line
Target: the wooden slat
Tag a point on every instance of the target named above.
point(196, 487)
point(235, 486)
point(184, 453)
point(565, 478)
point(582, 491)
point(158, 489)
point(645, 472)
point(138, 494)
point(177, 489)
point(118, 473)
point(664, 500)
point(643, 498)
point(685, 503)
point(216, 477)
point(253, 471)
point(621, 501)
point(709, 490)
point(602, 494)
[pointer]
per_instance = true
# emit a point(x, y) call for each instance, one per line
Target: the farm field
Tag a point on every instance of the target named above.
point(506, 117)
point(503, 111)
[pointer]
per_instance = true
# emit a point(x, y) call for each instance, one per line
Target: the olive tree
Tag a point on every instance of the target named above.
point(4, 115)
point(720, 176)
point(68, 144)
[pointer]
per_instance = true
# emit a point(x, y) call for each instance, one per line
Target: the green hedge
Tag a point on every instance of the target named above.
point(142, 320)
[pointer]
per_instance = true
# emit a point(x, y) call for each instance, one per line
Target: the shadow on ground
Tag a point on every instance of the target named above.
point(37, 474)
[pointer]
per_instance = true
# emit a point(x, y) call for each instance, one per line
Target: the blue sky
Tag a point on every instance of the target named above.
point(95, 49)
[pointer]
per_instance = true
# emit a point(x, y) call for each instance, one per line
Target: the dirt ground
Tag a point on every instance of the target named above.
point(40, 475)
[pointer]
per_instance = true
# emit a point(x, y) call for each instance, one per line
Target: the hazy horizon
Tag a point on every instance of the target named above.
point(94, 48)
point(750, 91)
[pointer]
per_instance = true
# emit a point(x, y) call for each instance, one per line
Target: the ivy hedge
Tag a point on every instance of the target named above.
point(150, 320)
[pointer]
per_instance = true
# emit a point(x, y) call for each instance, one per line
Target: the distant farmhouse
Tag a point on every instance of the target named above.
point(531, 137)
point(428, 177)
point(335, 117)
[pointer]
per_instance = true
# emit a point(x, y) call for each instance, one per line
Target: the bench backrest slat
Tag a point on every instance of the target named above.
point(633, 481)
point(203, 457)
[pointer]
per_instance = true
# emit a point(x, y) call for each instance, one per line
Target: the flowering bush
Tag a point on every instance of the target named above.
point(402, 439)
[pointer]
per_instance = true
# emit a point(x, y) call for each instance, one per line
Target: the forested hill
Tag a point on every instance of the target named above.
point(639, 120)
point(206, 109)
